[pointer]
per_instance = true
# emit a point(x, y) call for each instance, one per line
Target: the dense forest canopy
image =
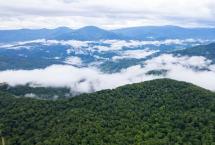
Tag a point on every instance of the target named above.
point(38, 92)
point(158, 112)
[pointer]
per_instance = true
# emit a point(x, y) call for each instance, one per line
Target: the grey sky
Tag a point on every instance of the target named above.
point(105, 13)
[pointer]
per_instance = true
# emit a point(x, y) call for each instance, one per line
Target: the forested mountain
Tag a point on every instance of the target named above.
point(95, 33)
point(207, 51)
point(31, 34)
point(88, 33)
point(158, 112)
point(166, 32)
point(38, 92)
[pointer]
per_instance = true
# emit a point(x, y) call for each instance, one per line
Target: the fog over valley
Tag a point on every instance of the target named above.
point(107, 72)
point(89, 66)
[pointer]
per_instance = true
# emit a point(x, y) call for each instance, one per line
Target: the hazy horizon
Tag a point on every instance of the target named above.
point(109, 29)
point(106, 14)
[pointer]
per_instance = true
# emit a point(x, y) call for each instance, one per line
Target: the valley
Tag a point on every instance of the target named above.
point(91, 86)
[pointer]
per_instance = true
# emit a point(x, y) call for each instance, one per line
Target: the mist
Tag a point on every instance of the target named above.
point(91, 79)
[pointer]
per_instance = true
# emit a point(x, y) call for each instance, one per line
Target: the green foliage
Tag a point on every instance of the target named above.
point(159, 72)
point(37, 92)
point(207, 51)
point(159, 112)
point(116, 66)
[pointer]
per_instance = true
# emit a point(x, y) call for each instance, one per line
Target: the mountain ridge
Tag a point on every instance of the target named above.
point(96, 33)
point(207, 51)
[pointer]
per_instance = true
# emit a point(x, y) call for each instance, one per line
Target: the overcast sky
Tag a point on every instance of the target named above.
point(107, 14)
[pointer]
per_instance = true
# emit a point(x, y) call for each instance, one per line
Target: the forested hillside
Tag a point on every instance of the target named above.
point(158, 112)
point(207, 51)
point(43, 93)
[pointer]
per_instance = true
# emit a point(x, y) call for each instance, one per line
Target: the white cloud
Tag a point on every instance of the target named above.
point(138, 54)
point(181, 68)
point(92, 79)
point(73, 60)
point(107, 45)
point(167, 60)
point(78, 79)
point(120, 44)
point(106, 13)
point(30, 95)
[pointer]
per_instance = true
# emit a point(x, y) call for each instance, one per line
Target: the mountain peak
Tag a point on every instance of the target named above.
point(90, 28)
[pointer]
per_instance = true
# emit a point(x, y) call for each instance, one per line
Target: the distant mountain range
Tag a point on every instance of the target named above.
point(166, 32)
point(95, 33)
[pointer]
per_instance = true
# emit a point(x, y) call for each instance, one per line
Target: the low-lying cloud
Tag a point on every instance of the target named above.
point(78, 79)
point(74, 60)
point(92, 79)
point(104, 45)
point(138, 54)
point(196, 70)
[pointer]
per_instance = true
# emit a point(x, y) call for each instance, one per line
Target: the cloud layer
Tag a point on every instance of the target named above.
point(78, 79)
point(92, 79)
point(105, 45)
point(105, 13)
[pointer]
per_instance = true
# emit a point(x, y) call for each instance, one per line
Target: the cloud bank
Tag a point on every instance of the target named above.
point(104, 45)
point(138, 54)
point(92, 79)
point(78, 79)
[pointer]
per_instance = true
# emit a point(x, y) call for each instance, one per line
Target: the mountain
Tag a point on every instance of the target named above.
point(166, 32)
point(95, 33)
point(157, 112)
point(7, 36)
point(38, 92)
point(207, 51)
point(61, 33)
point(89, 33)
